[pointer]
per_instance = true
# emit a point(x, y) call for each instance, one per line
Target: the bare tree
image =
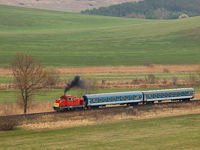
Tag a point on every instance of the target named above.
point(52, 77)
point(29, 76)
point(90, 86)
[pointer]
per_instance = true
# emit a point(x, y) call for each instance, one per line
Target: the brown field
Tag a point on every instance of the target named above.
point(105, 70)
point(63, 5)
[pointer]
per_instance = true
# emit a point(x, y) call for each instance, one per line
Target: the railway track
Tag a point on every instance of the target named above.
point(35, 115)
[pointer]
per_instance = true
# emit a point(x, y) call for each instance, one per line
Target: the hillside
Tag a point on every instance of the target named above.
point(65, 39)
point(150, 9)
point(63, 5)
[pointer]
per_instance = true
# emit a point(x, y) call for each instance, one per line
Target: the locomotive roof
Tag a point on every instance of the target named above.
point(168, 90)
point(113, 94)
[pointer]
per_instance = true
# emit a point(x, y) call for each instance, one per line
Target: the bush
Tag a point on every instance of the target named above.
point(174, 80)
point(148, 64)
point(9, 123)
point(165, 70)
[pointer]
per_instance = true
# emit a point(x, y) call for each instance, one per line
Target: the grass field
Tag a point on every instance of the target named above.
point(66, 39)
point(165, 133)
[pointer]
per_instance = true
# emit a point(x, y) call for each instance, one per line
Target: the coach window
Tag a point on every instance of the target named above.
point(163, 95)
point(151, 96)
point(96, 100)
point(118, 98)
point(167, 94)
point(175, 94)
point(183, 93)
point(105, 99)
point(155, 96)
point(122, 98)
point(135, 97)
point(100, 100)
point(159, 95)
point(114, 98)
point(109, 99)
point(131, 97)
point(188, 93)
point(127, 97)
point(140, 97)
point(172, 94)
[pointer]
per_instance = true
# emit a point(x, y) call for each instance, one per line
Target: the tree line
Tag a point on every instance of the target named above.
point(150, 9)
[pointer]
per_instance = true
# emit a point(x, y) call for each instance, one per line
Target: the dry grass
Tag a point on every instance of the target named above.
point(83, 118)
point(13, 108)
point(118, 69)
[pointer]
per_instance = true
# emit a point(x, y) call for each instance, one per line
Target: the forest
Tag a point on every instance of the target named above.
point(150, 9)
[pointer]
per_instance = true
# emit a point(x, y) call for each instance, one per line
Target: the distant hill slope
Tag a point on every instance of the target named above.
point(69, 39)
point(63, 5)
point(150, 9)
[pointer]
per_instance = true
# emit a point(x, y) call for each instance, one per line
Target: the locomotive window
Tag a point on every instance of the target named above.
point(172, 94)
point(105, 99)
point(114, 98)
point(122, 98)
point(131, 97)
point(109, 99)
point(159, 95)
point(100, 100)
point(70, 99)
point(118, 98)
point(183, 93)
point(135, 97)
point(151, 96)
point(155, 96)
point(127, 97)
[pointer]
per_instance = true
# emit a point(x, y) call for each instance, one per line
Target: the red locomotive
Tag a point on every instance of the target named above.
point(68, 102)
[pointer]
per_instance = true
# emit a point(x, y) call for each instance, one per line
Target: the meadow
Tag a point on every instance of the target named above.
point(73, 40)
point(180, 132)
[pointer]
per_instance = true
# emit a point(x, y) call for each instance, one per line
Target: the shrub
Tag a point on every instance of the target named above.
point(148, 64)
point(9, 123)
point(165, 70)
point(174, 80)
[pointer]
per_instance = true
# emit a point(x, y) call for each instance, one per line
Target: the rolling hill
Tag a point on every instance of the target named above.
point(67, 39)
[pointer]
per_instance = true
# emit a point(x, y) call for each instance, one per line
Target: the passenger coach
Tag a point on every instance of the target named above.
point(168, 94)
point(96, 100)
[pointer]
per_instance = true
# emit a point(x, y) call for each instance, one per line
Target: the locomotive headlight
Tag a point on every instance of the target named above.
point(56, 104)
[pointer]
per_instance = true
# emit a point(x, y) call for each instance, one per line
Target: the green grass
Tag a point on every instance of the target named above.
point(10, 96)
point(66, 39)
point(166, 133)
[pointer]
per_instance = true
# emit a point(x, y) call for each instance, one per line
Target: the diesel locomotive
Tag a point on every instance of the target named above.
point(68, 102)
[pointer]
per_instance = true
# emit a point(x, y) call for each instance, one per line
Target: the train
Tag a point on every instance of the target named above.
point(88, 101)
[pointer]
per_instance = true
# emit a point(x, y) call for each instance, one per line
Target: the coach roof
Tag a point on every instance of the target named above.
point(113, 94)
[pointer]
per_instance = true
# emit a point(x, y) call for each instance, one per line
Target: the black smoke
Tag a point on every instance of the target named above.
point(76, 82)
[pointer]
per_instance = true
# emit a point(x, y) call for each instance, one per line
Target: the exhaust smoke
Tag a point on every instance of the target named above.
point(76, 82)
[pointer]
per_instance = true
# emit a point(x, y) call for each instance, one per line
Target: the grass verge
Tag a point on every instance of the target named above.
point(165, 133)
